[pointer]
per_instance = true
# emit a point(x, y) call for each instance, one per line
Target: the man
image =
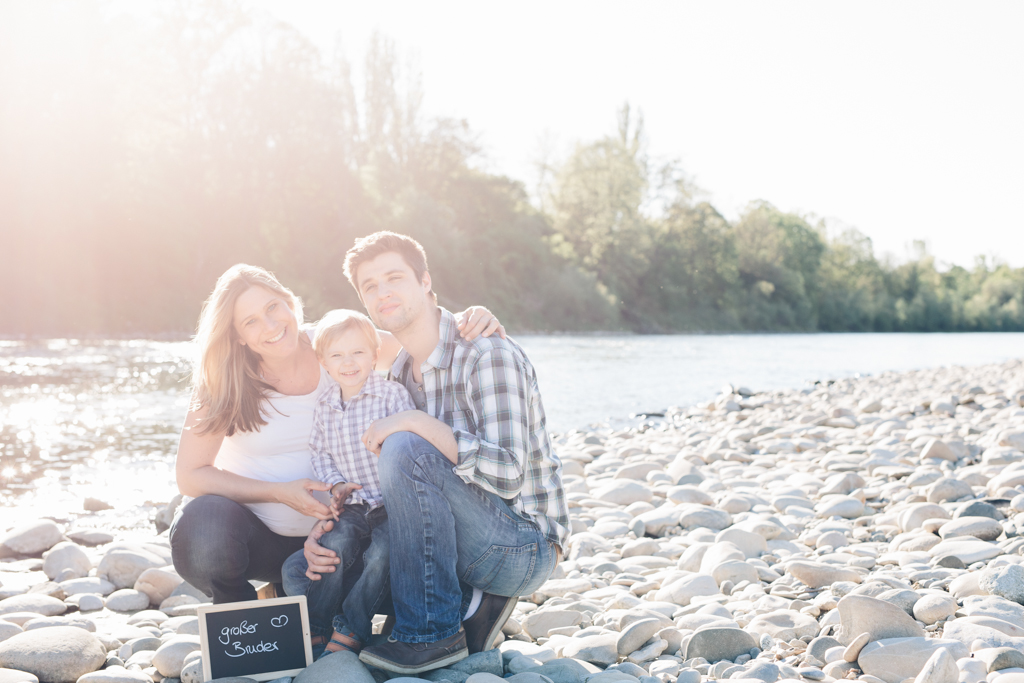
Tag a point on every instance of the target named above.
point(471, 486)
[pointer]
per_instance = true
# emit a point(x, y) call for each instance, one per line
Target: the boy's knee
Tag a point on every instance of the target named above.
point(342, 540)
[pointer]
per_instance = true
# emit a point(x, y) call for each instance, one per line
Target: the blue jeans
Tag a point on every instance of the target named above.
point(447, 537)
point(347, 598)
point(218, 546)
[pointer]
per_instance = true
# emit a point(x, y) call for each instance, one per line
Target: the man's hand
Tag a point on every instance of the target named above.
point(373, 437)
point(339, 494)
point(296, 495)
point(319, 560)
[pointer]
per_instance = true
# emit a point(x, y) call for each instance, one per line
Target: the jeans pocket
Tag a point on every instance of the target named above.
point(503, 570)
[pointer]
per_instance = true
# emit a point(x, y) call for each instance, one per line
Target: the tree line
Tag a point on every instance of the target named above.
point(143, 154)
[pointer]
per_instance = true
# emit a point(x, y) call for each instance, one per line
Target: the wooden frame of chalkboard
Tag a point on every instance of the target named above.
point(258, 639)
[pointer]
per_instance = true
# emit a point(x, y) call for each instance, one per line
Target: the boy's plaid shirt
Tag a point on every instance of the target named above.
point(338, 452)
point(486, 391)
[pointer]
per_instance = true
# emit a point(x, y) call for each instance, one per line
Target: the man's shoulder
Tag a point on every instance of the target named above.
point(489, 346)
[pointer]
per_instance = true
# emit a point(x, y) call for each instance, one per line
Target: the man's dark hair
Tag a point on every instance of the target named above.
point(386, 242)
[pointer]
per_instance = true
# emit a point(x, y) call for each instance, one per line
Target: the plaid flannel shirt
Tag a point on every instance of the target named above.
point(338, 453)
point(486, 391)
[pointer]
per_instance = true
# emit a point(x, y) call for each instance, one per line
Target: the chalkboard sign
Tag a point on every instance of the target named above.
point(260, 639)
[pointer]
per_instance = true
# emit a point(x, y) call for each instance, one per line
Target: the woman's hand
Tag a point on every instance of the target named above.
point(477, 321)
point(319, 560)
point(296, 495)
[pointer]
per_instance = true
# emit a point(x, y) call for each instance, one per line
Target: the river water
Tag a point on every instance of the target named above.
point(87, 418)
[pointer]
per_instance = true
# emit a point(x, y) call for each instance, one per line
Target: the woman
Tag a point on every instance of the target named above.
point(243, 458)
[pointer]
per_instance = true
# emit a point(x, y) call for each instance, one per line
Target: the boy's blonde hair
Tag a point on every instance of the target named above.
point(335, 323)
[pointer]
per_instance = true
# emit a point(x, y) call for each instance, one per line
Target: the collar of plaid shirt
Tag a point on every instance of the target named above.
point(373, 386)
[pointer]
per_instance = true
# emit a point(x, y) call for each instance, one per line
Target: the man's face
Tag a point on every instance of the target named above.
point(393, 296)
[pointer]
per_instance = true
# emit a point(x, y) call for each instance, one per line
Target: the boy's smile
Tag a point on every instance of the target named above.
point(349, 360)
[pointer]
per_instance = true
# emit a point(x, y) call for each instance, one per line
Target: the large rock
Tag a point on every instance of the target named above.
point(784, 625)
point(938, 450)
point(940, 668)
point(966, 630)
point(539, 623)
point(659, 520)
point(623, 492)
point(682, 590)
point(600, 649)
point(749, 543)
point(31, 539)
point(840, 506)
point(968, 550)
point(115, 674)
point(123, 566)
point(915, 515)
point(999, 658)
point(882, 620)
point(1006, 581)
point(819, 575)
point(33, 602)
point(7, 629)
point(127, 600)
point(716, 644)
point(338, 667)
point(718, 553)
point(933, 607)
point(158, 584)
point(701, 517)
point(948, 489)
point(170, 657)
point(636, 634)
point(488, 661)
point(984, 528)
point(60, 654)
point(87, 584)
point(64, 558)
point(896, 659)
point(15, 676)
point(734, 571)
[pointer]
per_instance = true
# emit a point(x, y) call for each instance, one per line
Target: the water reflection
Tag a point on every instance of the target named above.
point(90, 418)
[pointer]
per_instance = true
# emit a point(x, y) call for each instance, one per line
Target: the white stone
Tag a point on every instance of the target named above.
point(60, 654)
point(170, 657)
point(32, 538)
point(158, 584)
point(64, 557)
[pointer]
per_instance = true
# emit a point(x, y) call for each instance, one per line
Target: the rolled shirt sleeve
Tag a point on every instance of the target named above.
point(319, 446)
point(491, 456)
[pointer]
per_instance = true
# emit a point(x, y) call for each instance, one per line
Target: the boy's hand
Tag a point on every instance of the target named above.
point(339, 494)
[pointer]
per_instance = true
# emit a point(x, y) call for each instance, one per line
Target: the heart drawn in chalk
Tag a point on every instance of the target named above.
point(278, 622)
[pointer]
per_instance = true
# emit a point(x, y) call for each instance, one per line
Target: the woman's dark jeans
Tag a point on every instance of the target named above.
point(218, 546)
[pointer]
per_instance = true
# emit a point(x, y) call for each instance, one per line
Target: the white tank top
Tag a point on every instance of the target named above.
point(278, 452)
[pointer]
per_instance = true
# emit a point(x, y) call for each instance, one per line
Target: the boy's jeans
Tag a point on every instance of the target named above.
point(447, 535)
point(347, 598)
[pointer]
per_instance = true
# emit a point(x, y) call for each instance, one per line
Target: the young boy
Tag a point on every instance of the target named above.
point(347, 344)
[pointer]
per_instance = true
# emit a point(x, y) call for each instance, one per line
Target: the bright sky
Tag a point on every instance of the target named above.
point(902, 119)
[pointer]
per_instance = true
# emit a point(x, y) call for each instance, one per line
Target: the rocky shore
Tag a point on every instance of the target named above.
point(869, 529)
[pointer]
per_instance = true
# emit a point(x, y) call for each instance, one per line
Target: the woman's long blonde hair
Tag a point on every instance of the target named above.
point(226, 375)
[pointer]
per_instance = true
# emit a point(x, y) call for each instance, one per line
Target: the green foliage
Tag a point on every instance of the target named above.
point(141, 157)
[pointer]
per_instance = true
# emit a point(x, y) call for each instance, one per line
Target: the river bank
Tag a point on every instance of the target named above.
point(867, 528)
